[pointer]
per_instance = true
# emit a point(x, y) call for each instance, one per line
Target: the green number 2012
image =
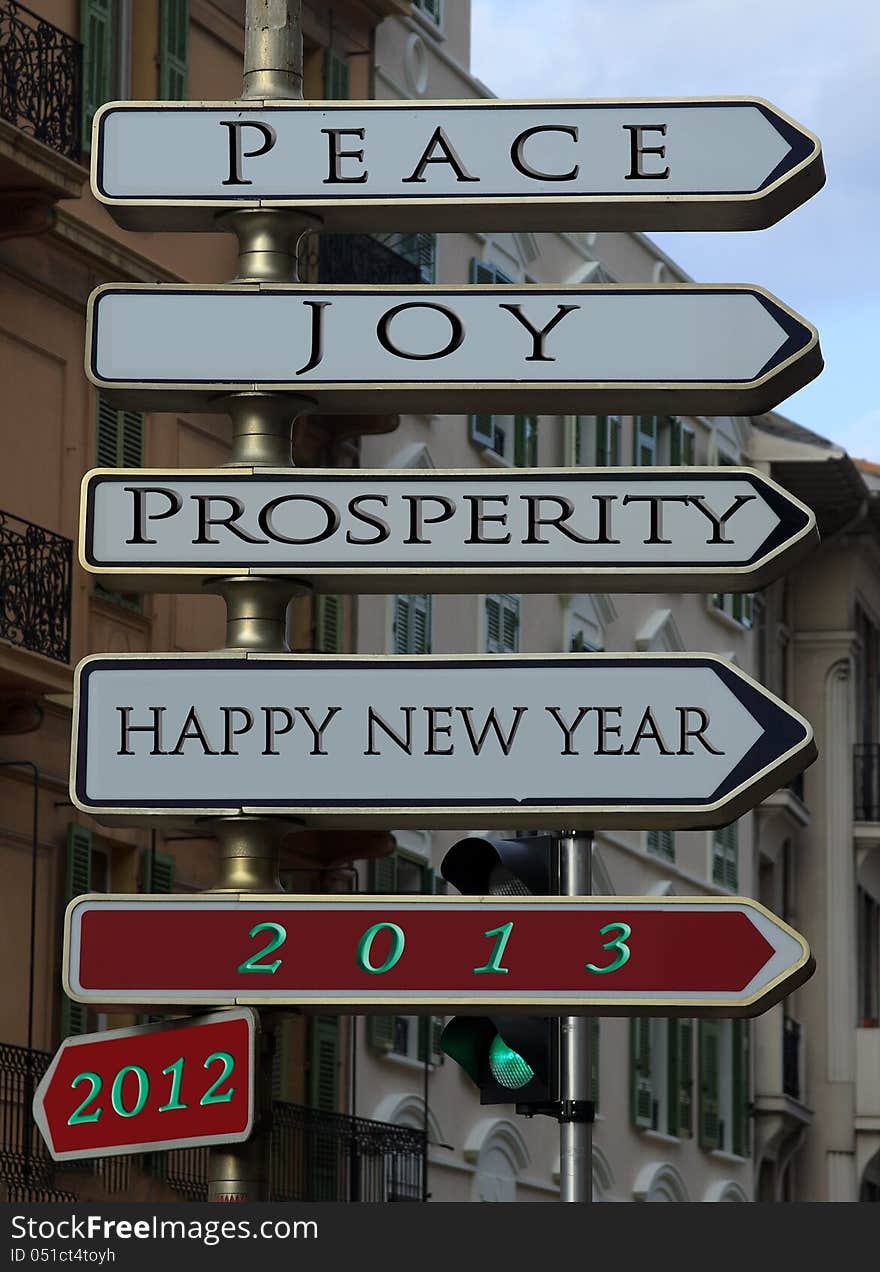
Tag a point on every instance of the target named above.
point(79, 1116)
point(618, 943)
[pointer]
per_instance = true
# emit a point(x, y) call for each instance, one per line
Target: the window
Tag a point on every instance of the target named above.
point(430, 8)
point(586, 621)
point(725, 857)
point(87, 870)
point(412, 625)
point(105, 34)
point(502, 624)
point(724, 1085)
point(415, 1037)
point(738, 606)
point(512, 437)
point(419, 249)
point(662, 1075)
point(336, 77)
point(173, 38)
point(646, 429)
point(682, 442)
point(868, 945)
point(661, 843)
point(596, 440)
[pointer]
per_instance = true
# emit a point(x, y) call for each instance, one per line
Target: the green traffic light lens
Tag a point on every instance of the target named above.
point(507, 1066)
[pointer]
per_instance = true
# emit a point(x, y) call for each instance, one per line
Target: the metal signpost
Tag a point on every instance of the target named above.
point(570, 529)
point(258, 741)
point(681, 956)
point(150, 1088)
point(693, 348)
point(624, 740)
point(733, 163)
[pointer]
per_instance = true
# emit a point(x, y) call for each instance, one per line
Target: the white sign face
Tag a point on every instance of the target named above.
point(691, 348)
point(698, 529)
point(638, 740)
point(721, 163)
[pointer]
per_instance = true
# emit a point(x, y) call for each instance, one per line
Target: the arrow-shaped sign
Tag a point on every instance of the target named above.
point(723, 163)
point(575, 740)
point(150, 1088)
point(691, 348)
point(530, 530)
point(694, 956)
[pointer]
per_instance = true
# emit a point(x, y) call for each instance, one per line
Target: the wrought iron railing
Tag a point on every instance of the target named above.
point(333, 1157)
point(866, 782)
point(357, 258)
point(40, 78)
point(35, 579)
point(791, 1057)
point(24, 1158)
point(319, 1156)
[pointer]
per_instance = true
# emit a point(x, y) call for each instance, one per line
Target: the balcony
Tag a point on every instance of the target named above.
point(40, 119)
point(315, 1156)
point(868, 1076)
point(866, 782)
point(791, 1058)
point(319, 1156)
point(35, 598)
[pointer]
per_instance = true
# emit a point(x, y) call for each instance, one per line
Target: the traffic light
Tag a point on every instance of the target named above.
point(500, 867)
point(512, 1059)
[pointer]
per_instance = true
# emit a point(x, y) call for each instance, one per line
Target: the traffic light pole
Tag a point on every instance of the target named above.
point(574, 874)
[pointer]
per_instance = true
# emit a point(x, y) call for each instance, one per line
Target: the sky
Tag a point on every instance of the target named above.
point(820, 63)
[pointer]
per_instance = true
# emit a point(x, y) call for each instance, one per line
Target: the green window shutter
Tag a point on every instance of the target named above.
point(645, 440)
point(335, 76)
point(157, 872)
point(324, 1063)
point(640, 1072)
point(725, 857)
point(96, 35)
point(328, 624)
point(426, 256)
point(602, 441)
point(679, 1071)
point(421, 624)
point(525, 441)
point(77, 880)
point(709, 1061)
point(430, 1029)
point(282, 1058)
point(412, 624)
point(120, 437)
point(594, 1061)
point(173, 41)
point(380, 1032)
point(383, 874)
point(661, 843)
point(674, 440)
point(614, 436)
point(502, 624)
point(740, 1093)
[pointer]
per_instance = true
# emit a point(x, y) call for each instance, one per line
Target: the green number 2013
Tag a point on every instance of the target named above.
point(618, 943)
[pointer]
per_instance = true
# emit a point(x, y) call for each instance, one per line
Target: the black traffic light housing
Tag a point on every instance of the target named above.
point(512, 1059)
point(500, 867)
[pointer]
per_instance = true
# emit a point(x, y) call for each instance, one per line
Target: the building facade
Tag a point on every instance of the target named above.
point(786, 1107)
